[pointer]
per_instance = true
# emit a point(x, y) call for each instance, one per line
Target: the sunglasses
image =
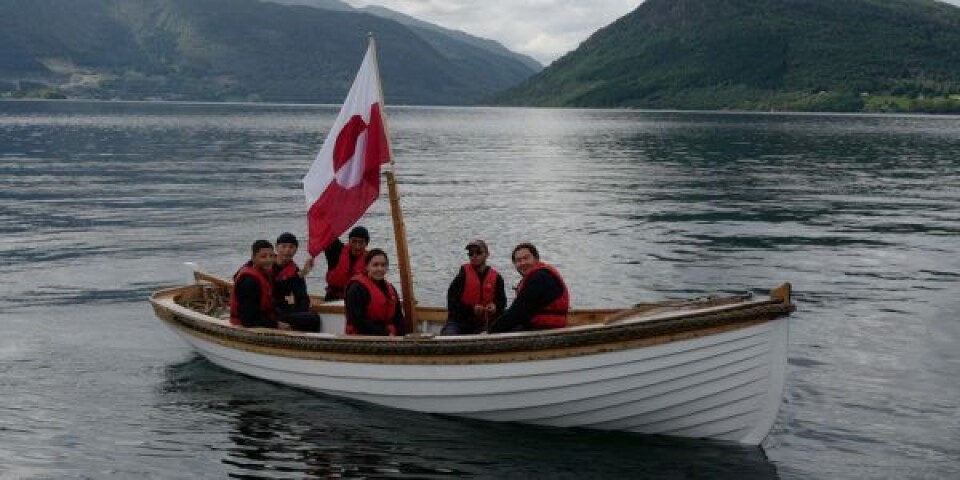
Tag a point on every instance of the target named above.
point(474, 253)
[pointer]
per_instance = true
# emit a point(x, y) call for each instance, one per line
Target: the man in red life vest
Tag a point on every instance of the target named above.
point(344, 263)
point(251, 299)
point(290, 297)
point(476, 296)
point(542, 297)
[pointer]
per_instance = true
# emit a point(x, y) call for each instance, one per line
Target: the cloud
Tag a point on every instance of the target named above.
point(543, 29)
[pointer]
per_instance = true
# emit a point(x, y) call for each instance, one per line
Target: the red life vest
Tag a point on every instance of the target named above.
point(266, 293)
point(280, 289)
point(477, 292)
point(288, 271)
point(381, 309)
point(554, 314)
point(343, 272)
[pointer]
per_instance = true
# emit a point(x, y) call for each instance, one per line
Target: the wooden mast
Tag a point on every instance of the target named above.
point(399, 229)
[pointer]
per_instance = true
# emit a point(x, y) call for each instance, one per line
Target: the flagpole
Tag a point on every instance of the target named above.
point(399, 229)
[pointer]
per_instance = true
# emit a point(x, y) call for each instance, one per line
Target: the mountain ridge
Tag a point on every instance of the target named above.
point(491, 46)
point(833, 55)
point(243, 50)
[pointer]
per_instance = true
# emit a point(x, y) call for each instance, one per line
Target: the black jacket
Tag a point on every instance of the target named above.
point(248, 300)
point(541, 289)
point(356, 302)
point(461, 312)
point(295, 286)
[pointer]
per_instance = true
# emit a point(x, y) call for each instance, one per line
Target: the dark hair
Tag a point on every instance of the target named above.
point(528, 246)
point(359, 232)
point(259, 244)
point(373, 253)
point(287, 237)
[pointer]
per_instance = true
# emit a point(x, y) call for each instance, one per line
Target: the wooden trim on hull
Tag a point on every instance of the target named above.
point(474, 349)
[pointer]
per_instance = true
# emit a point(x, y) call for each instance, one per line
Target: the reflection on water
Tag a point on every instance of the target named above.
point(290, 433)
point(100, 203)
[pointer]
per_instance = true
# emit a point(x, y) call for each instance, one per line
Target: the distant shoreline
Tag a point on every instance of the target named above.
point(732, 111)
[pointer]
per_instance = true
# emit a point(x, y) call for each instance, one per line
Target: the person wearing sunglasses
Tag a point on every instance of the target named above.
point(476, 296)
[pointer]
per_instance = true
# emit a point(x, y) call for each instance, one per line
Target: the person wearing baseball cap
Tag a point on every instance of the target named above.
point(476, 296)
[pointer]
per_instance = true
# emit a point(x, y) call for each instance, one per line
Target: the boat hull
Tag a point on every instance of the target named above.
point(720, 381)
point(724, 387)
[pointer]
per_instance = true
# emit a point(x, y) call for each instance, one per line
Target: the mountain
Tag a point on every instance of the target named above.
point(232, 50)
point(321, 4)
point(826, 55)
point(445, 38)
point(439, 37)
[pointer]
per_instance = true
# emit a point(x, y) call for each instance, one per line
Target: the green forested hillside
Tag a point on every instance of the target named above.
point(229, 50)
point(827, 55)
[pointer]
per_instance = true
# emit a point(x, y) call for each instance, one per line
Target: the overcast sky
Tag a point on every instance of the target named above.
point(543, 29)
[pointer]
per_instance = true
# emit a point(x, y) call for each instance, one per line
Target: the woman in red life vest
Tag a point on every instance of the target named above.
point(476, 296)
point(251, 298)
point(542, 297)
point(372, 304)
point(345, 261)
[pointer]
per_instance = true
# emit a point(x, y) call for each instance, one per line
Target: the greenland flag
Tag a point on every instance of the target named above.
point(344, 179)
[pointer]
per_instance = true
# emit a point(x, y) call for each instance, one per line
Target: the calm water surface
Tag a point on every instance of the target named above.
point(101, 203)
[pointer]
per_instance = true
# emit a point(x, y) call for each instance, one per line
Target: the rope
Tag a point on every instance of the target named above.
point(213, 302)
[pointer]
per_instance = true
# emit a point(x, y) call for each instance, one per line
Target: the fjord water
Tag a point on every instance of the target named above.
point(100, 203)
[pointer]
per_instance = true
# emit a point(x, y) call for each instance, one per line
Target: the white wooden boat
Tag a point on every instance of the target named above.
point(706, 368)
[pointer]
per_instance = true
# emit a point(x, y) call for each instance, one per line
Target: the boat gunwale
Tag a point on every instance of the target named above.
point(664, 327)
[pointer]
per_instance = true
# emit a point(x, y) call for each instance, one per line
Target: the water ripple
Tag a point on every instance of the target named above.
point(101, 203)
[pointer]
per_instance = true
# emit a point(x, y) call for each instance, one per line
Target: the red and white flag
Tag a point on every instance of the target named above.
point(344, 179)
